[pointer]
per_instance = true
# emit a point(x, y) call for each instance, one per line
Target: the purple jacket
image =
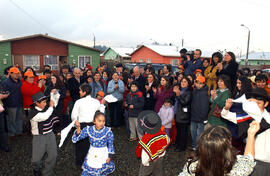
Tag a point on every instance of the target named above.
point(160, 97)
point(166, 114)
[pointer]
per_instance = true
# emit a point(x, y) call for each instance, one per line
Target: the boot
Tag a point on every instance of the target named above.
point(37, 172)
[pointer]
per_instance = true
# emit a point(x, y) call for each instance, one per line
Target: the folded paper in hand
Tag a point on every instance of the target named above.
point(110, 98)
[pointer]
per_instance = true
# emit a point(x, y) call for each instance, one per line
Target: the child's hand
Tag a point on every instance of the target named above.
point(51, 103)
point(154, 90)
point(103, 101)
point(108, 160)
point(254, 127)
point(131, 106)
point(77, 124)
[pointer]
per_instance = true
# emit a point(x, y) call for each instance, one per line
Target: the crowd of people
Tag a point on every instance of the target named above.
point(223, 108)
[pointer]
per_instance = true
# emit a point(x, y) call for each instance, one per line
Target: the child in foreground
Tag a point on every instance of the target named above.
point(44, 142)
point(152, 147)
point(98, 159)
point(166, 114)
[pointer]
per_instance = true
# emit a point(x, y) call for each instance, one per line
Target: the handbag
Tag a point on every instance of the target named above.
point(217, 111)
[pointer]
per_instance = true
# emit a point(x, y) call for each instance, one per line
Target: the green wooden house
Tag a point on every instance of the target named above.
point(39, 50)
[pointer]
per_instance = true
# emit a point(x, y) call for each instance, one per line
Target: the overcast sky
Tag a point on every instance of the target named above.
point(207, 24)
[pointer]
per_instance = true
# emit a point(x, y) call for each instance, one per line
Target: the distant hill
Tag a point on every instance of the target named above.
point(101, 47)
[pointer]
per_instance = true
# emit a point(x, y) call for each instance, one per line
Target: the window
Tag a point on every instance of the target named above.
point(174, 62)
point(83, 60)
point(31, 61)
point(140, 60)
point(51, 61)
point(148, 60)
point(258, 63)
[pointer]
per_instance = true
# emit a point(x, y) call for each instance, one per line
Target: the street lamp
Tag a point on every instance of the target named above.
point(246, 61)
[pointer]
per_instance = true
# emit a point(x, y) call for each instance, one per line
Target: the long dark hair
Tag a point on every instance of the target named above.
point(215, 154)
point(168, 85)
point(218, 55)
point(189, 82)
point(245, 87)
point(59, 84)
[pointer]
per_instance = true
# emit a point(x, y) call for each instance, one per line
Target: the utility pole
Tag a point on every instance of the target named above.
point(94, 40)
point(182, 42)
point(246, 61)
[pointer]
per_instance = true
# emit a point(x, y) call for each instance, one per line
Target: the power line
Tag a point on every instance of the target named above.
point(30, 16)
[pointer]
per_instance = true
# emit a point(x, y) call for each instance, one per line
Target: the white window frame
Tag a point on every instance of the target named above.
point(53, 66)
point(35, 66)
point(174, 62)
point(80, 56)
point(148, 60)
point(141, 60)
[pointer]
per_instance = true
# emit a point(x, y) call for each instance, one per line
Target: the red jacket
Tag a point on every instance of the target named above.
point(28, 90)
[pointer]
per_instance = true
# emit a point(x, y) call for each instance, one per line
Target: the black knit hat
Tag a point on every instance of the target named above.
point(258, 93)
point(149, 121)
point(38, 97)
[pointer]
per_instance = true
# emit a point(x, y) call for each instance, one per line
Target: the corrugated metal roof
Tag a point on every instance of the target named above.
point(257, 56)
point(123, 51)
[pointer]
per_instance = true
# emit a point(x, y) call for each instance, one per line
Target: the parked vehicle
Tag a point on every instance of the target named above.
point(130, 66)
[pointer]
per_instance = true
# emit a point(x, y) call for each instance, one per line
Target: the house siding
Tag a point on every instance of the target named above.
point(145, 53)
point(110, 55)
point(75, 51)
point(5, 56)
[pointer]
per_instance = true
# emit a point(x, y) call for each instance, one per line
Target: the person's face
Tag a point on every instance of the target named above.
point(47, 68)
point(29, 69)
point(167, 104)
point(133, 88)
point(190, 78)
point(147, 71)
point(221, 84)
point(227, 57)
point(115, 77)
point(64, 71)
point(99, 97)
point(99, 121)
point(89, 80)
point(82, 93)
point(179, 77)
point(68, 76)
point(261, 84)
point(238, 85)
point(163, 82)
point(53, 79)
point(205, 63)
point(258, 72)
point(197, 54)
point(198, 74)
point(42, 104)
point(136, 72)
point(30, 79)
point(150, 78)
point(199, 85)
point(184, 83)
point(215, 59)
point(77, 73)
point(141, 70)
point(15, 75)
point(165, 70)
point(97, 77)
point(104, 75)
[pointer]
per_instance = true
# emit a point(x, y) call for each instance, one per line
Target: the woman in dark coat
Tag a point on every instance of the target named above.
point(57, 84)
point(183, 95)
point(229, 67)
point(150, 102)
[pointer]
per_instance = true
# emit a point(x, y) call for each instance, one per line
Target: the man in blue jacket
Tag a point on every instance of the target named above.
point(195, 63)
point(13, 102)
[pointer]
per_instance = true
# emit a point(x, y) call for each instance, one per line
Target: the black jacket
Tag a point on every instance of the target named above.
point(62, 92)
point(200, 105)
point(183, 107)
point(230, 71)
point(137, 100)
point(149, 100)
point(73, 87)
point(141, 82)
point(15, 96)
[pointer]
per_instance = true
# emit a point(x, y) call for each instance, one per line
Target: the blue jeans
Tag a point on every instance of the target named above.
point(14, 121)
point(196, 129)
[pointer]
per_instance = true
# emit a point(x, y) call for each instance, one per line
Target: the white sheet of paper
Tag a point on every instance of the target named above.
point(65, 132)
point(110, 98)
